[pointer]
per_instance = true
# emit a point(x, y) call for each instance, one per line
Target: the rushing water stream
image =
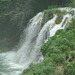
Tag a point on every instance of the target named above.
point(34, 36)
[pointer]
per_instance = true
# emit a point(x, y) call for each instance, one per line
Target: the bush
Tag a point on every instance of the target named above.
point(59, 58)
point(73, 55)
point(64, 48)
point(70, 69)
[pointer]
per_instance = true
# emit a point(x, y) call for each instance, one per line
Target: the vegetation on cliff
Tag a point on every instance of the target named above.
point(58, 51)
point(59, 54)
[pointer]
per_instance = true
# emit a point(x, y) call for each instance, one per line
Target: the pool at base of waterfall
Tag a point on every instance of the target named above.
point(7, 65)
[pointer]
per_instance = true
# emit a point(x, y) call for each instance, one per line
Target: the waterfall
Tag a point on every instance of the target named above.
point(39, 29)
point(60, 26)
point(29, 39)
point(35, 35)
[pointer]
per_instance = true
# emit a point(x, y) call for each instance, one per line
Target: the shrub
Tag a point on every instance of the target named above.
point(64, 48)
point(59, 58)
point(73, 55)
point(70, 69)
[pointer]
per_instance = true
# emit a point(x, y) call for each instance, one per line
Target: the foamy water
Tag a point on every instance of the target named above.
point(33, 37)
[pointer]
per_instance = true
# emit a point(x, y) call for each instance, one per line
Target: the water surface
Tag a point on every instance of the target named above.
point(8, 65)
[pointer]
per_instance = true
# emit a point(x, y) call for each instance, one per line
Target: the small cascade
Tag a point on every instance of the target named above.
point(61, 25)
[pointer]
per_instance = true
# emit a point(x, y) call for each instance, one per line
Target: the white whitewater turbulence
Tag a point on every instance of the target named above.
point(34, 39)
point(35, 35)
point(67, 9)
point(53, 30)
point(7, 65)
point(34, 26)
point(42, 36)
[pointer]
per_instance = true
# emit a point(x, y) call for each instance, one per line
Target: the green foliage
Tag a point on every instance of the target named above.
point(59, 19)
point(73, 55)
point(56, 51)
point(57, 12)
point(54, 6)
point(72, 3)
point(57, 48)
point(60, 16)
point(40, 69)
point(58, 58)
point(60, 74)
point(52, 11)
point(70, 69)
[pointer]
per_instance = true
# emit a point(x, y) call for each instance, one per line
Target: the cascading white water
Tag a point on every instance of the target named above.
point(34, 26)
point(34, 36)
point(60, 26)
